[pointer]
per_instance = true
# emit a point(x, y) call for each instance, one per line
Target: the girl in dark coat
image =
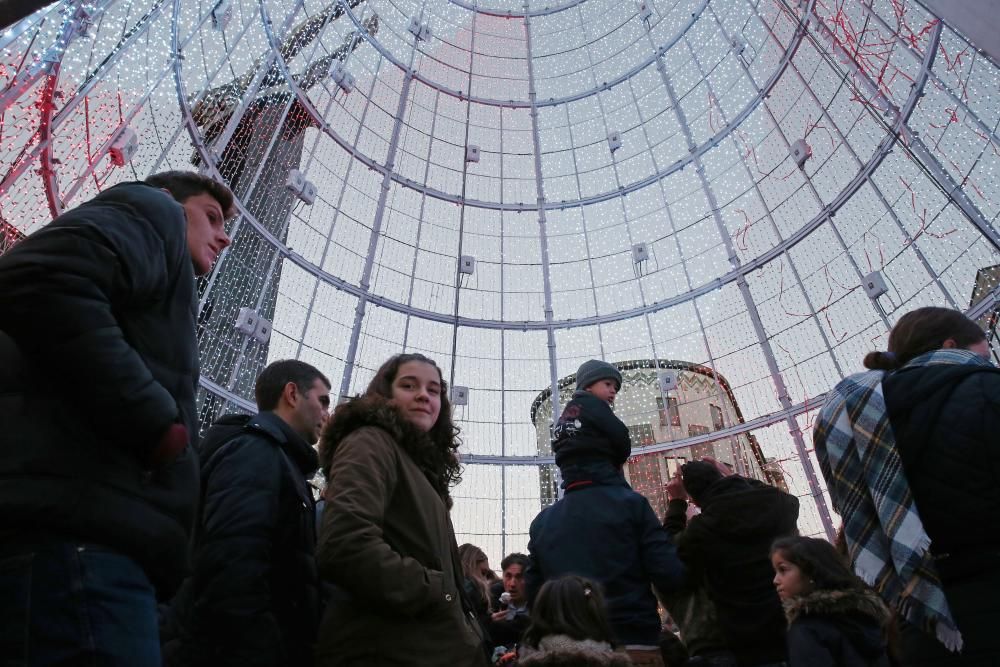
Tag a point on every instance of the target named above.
point(834, 619)
point(387, 544)
point(569, 626)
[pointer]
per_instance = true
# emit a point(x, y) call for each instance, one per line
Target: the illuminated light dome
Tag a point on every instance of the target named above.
point(759, 188)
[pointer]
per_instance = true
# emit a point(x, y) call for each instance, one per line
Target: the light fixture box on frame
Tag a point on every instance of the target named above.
point(459, 395)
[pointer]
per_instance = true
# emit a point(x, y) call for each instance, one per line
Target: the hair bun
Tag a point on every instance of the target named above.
point(881, 361)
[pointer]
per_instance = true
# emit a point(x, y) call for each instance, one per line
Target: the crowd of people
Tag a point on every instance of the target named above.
point(127, 543)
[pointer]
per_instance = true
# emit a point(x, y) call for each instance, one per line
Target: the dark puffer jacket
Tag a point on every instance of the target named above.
point(254, 595)
point(837, 629)
point(588, 429)
point(98, 357)
point(608, 533)
point(946, 422)
point(728, 547)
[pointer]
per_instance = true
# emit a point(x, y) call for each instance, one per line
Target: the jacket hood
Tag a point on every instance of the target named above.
point(737, 507)
point(564, 650)
point(302, 454)
point(860, 615)
point(439, 465)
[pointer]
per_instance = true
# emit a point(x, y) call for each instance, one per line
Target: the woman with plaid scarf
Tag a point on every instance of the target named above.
point(911, 454)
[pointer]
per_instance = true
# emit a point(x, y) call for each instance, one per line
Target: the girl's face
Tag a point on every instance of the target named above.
point(788, 578)
point(416, 393)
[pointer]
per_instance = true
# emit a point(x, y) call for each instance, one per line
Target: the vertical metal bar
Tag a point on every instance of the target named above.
point(586, 232)
point(420, 217)
point(461, 209)
point(542, 230)
point(763, 202)
point(336, 214)
point(723, 399)
point(751, 307)
point(365, 284)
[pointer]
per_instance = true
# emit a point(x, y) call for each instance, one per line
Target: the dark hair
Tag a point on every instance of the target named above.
point(515, 559)
point(183, 185)
point(923, 330)
point(820, 563)
point(442, 462)
point(272, 380)
point(698, 476)
point(571, 606)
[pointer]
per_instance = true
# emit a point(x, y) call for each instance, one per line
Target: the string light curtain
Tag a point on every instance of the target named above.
point(757, 189)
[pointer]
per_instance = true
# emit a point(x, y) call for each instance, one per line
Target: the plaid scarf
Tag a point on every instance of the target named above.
point(886, 540)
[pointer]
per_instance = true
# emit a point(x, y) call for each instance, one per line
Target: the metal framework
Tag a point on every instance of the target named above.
point(755, 265)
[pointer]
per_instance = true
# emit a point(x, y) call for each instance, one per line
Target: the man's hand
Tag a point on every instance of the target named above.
point(499, 615)
point(675, 488)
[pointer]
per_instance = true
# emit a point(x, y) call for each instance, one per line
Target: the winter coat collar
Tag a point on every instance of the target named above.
point(838, 603)
point(301, 453)
point(564, 650)
point(587, 473)
point(378, 412)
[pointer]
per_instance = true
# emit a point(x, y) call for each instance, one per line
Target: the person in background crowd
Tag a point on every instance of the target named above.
point(510, 618)
point(694, 613)
point(602, 529)
point(727, 547)
point(386, 539)
point(909, 452)
point(569, 627)
point(834, 620)
point(98, 372)
point(475, 566)
point(254, 596)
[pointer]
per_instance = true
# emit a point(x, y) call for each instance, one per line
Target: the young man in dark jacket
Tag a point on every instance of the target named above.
point(727, 548)
point(98, 371)
point(254, 595)
point(602, 529)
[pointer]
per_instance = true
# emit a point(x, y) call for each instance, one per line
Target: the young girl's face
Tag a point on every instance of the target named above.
point(788, 578)
point(416, 392)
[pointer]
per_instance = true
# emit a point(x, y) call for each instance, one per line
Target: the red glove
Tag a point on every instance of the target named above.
point(171, 444)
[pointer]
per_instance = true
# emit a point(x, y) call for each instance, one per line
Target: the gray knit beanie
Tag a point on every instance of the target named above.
point(594, 370)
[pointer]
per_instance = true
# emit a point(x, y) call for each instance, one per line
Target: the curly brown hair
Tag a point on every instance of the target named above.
point(434, 452)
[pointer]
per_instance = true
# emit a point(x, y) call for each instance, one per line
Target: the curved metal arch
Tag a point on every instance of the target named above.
point(828, 211)
point(511, 14)
point(711, 143)
point(524, 104)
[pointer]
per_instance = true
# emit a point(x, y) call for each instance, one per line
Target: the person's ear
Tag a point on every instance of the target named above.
point(291, 394)
point(949, 344)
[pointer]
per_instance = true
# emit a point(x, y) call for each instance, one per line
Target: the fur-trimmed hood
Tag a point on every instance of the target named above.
point(560, 650)
point(838, 603)
point(858, 619)
point(435, 462)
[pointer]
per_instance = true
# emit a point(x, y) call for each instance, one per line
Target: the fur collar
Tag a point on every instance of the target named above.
point(564, 650)
point(832, 603)
point(376, 411)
